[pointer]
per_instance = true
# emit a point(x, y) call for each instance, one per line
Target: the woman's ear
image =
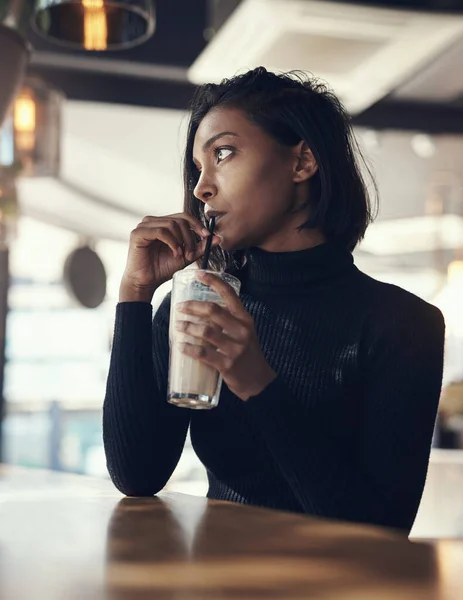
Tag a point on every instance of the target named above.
point(305, 165)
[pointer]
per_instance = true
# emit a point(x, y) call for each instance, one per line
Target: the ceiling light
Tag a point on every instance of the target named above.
point(30, 138)
point(423, 145)
point(13, 46)
point(95, 25)
point(369, 139)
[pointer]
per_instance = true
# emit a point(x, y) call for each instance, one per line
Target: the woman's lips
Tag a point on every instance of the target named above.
point(218, 218)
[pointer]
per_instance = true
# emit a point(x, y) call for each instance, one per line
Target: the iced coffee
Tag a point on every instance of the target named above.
point(192, 384)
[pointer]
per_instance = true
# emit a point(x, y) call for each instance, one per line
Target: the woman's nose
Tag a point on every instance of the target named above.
point(204, 189)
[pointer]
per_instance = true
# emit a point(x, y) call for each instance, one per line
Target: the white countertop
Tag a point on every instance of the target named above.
point(441, 510)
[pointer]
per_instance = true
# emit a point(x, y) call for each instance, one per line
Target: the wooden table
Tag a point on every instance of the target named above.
point(66, 537)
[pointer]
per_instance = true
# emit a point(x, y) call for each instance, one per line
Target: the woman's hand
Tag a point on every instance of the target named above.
point(160, 246)
point(227, 340)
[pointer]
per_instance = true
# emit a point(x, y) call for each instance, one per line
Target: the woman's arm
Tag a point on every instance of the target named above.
point(143, 434)
point(383, 481)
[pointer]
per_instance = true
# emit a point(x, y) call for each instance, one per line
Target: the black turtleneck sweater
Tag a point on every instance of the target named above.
point(345, 429)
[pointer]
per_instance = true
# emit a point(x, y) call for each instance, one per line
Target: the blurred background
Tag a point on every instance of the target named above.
point(94, 141)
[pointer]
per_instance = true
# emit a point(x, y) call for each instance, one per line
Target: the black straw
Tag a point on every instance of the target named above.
point(207, 251)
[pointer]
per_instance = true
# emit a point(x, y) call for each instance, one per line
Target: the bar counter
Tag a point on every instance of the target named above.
point(66, 537)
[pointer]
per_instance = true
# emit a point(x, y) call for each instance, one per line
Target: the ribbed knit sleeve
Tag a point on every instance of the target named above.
point(382, 480)
point(143, 434)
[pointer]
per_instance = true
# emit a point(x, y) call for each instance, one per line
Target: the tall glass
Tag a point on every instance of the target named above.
point(192, 384)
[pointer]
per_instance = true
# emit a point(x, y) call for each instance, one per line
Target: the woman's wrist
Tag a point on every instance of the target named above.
point(260, 384)
point(130, 294)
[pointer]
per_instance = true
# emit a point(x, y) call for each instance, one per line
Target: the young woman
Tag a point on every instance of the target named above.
point(331, 379)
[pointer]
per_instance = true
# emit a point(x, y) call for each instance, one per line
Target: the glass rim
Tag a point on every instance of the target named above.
point(194, 272)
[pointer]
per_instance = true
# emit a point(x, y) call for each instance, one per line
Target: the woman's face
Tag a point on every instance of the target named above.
point(250, 181)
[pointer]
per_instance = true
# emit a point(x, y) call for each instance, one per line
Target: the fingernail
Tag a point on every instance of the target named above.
point(205, 232)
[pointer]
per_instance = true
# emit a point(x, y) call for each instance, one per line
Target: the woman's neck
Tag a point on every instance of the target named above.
point(293, 240)
point(325, 264)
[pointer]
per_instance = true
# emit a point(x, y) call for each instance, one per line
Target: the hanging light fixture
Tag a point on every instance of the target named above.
point(31, 135)
point(95, 25)
point(15, 50)
point(13, 46)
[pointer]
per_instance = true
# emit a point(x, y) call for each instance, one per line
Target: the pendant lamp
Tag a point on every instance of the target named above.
point(95, 25)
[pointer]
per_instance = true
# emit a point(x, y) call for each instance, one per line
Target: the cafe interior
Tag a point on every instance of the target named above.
point(94, 98)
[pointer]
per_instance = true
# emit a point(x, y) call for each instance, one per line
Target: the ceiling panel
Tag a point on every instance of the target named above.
point(440, 81)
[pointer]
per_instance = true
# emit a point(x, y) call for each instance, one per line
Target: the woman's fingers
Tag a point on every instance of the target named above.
point(228, 295)
point(201, 247)
point(187, 235)
point(211, 334)
point(216, 315)
point(208, 355)
point(195, 225)
point(183, 227)
point(165, 223)
point(143, 236)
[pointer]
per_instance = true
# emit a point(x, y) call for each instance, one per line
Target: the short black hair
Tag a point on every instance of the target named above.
point(292, 107)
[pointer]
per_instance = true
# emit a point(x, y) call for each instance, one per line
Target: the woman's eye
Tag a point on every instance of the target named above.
point(221, 154)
